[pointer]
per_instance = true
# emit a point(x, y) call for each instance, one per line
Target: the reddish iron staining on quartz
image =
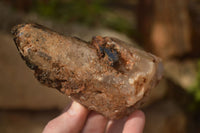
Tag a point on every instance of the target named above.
point(106, 75)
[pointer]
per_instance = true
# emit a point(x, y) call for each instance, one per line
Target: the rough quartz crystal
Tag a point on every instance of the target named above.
point(105, 75)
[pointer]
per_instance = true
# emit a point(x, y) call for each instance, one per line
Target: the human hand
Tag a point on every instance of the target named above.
point(78, 119)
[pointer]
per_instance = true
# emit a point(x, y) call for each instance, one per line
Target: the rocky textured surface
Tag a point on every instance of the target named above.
point(19, 85)
point(106, 74)
point(17, 81)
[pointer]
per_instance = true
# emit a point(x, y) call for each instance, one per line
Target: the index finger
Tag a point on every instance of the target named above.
point(135, 122)
point(71, 121)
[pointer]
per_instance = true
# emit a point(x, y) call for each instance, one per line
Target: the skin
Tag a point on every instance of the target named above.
point(77, 119)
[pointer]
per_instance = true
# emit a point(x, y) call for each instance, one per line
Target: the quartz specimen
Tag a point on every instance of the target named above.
point(105, 75)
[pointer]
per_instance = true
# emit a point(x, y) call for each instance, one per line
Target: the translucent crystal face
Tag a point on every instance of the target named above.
point(135, 69)
point(106, 75)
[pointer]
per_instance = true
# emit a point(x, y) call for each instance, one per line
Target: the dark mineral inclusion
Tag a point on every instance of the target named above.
point(105, 75)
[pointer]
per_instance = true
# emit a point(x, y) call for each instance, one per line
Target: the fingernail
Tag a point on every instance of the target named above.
point(75, 109)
